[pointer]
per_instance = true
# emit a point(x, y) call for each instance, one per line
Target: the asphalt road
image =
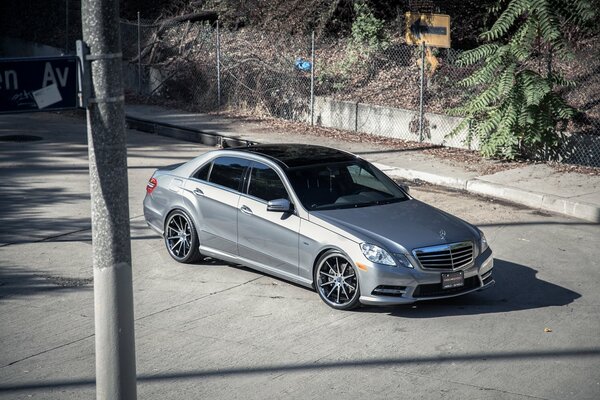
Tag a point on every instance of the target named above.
point(220, 331)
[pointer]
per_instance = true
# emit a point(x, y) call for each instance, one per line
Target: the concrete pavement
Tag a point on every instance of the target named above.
point(212, 330)
point(534, 185)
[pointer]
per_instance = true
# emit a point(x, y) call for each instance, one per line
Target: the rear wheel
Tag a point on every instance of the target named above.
point(336, 281)
point(181, 238)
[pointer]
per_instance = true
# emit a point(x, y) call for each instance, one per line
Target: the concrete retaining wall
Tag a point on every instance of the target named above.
point(12, 47)
point(389, 122)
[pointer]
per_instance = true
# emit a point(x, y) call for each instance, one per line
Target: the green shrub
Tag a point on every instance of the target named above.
point(367, 29)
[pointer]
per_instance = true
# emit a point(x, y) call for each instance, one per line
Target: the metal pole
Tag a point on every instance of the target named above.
point(139, 54)
point(113, 293)
point(422, 89)
point(66, 26)
point(312, 81)
point(218, 67)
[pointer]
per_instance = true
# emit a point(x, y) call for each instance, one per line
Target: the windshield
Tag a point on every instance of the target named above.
point(343, 185)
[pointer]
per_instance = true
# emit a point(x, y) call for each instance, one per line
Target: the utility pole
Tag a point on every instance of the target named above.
point(113, 293)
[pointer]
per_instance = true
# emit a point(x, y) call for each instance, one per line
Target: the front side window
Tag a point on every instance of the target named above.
point(265, 184)
point(228, 172)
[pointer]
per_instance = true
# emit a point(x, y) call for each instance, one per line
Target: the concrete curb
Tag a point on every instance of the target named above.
point(413, 175)
point(207, 138)
point(535, 200)
point(539, 201)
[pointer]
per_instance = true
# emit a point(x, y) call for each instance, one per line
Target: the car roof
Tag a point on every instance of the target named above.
point(298, 155)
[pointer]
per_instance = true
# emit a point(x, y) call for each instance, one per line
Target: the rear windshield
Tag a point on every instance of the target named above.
point(343, 185)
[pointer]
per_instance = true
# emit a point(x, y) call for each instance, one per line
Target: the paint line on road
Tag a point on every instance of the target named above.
point(199, 298)
point(47, 351)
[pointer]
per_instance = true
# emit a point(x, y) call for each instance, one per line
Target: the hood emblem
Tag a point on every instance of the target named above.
point(442, 234)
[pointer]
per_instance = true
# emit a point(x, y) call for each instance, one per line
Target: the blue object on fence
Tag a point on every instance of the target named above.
point(303, 65)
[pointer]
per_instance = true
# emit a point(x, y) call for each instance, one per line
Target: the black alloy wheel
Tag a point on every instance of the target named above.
point(181, 238)
point(336, 281)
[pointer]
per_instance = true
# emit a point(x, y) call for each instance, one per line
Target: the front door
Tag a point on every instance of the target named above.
point(266, 237)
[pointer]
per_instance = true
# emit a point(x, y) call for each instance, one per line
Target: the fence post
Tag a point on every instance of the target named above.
point(66, 26)
point(139, 48)
point(422, 88)
point(312, 81)
point(218, 67)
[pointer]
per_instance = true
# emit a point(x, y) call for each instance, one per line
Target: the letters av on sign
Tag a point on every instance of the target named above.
point(430, 29)
point(38, 84)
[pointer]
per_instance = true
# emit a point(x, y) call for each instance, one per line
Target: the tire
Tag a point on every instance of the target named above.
point(336, 281)
point(181, 238)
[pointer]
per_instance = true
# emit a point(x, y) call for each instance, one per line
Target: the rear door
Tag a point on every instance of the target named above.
point(266, 237)
point(214, 191)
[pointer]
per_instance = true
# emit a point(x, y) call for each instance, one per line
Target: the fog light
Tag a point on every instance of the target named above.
point(383, 290)
point(487, 264)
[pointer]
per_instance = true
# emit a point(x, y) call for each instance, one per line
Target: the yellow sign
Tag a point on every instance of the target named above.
point(430, 29)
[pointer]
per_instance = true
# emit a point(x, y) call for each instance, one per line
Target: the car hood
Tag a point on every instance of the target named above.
point(410, 224)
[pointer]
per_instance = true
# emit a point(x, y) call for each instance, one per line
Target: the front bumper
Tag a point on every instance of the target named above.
point(411, 285)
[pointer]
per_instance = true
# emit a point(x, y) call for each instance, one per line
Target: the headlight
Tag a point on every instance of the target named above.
point(376, 254)
point(484, 244)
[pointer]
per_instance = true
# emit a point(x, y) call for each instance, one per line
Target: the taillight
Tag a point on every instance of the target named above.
point(152, 183)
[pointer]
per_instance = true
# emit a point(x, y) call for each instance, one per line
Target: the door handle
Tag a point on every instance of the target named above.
point(198, 192)
point(246, 210)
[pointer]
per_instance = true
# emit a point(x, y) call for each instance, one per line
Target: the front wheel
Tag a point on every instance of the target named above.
point(336, 281)
point(181, 238)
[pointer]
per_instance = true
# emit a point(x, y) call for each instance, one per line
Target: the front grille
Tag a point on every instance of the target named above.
point(452, 256)
point(435, 289)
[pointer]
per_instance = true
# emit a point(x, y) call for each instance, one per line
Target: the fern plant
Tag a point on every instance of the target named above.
point(518, 109)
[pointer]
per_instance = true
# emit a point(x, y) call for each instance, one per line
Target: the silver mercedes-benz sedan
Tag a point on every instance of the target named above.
point(319, 217)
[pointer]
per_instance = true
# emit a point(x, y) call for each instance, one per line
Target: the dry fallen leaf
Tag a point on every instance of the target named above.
point(547, 330)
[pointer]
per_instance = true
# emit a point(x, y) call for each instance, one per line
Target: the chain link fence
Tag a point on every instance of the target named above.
point(397, 91)
point(259, 76)
point(172, 62)
point(330, 83)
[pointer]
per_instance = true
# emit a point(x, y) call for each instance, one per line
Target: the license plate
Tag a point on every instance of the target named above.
point(453, 280)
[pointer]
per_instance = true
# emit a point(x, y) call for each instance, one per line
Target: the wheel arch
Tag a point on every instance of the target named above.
point(180, 209)
point(193, 254)
point(352, 302)
point(314, 264)
point(321, 253)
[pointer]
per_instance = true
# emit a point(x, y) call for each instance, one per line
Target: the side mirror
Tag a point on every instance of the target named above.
point(280, 205)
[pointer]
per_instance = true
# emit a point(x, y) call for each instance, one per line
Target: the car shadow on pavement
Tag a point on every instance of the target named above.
point(517, 288)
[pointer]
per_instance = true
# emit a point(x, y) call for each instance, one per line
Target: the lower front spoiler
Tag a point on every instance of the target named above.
point(393, 300)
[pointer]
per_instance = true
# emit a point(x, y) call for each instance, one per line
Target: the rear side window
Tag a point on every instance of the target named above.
point(228, 172)
point(265, 183)
point(202, 173)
